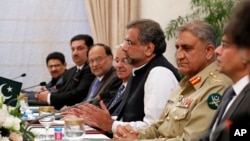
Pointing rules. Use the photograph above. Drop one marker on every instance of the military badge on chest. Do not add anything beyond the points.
(183, 102)
(213, 101)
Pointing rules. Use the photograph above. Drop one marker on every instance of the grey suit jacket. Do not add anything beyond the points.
(109, 85)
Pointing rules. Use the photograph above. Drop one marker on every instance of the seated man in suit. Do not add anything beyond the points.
(57, 67)
(123, 71)
(234, 60)
(77, 79)
(100, 59)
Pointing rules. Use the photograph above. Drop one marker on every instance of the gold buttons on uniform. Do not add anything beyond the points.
(214, 76)
(176, 117)
(168, 118)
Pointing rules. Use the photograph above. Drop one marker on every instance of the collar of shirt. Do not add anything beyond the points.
(200, 76)
(100, 78)
(240, 85)
(80, 67)
(135, 69)
(125, 84)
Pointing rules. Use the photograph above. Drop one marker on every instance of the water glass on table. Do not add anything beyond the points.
(74, 128)
(47, 112)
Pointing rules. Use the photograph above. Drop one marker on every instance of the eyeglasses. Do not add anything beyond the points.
(128, 42)
(97, 59)
(123, 60)
(54, 66)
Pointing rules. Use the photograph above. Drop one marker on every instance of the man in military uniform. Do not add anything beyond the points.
(192, 105)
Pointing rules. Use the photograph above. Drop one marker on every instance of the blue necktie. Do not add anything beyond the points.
(93, 89)
(118, 95)
(228, 96)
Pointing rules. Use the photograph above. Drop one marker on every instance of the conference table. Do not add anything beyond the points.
(91, 134)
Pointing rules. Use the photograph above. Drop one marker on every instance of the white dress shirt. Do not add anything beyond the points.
(158, 87)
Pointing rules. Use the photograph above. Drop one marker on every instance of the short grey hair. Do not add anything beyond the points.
(200, 29)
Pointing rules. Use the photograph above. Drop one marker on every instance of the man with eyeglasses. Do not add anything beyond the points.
(236, 97)
(147, 89)
(57, 67)
(234, 61)
(152, 79)
(77, 79)
(101, 117)
(100, 59)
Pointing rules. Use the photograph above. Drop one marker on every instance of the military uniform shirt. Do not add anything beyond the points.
(190, 108)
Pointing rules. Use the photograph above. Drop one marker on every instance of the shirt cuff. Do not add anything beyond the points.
(48, 98)
(115, 124)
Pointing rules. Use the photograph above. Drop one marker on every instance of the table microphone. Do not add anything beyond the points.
(40, 84)
(22, 75)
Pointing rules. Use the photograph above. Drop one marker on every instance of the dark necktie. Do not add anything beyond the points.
(93, 89)
(76, 75)
(228, 96)
(118, 95)
(74, 80)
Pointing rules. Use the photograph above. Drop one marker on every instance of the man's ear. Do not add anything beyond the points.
(149, 49)
(210, 51)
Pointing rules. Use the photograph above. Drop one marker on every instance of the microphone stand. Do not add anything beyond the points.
(22, 75)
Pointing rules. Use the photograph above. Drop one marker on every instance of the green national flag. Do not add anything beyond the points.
(10, 90)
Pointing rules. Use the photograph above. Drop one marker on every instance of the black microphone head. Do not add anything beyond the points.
(23, 75)
(42, 83)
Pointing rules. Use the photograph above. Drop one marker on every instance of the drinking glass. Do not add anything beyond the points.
(74, 128)
(47, 112)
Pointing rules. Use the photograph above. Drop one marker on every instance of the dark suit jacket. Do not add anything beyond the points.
(58, 83)
(239, 113)
(109, 85)
(75, 89)
(51, 86)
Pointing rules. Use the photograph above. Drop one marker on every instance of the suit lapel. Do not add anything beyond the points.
(233, 107)
(104, 81)
(235, 104)
(69, 76)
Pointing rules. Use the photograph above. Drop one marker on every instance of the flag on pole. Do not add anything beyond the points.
(10, 90)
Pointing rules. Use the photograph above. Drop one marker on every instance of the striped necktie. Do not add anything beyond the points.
(118, 95)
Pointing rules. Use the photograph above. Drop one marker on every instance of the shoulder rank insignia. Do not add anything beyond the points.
(195, 80)
(213, 101)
